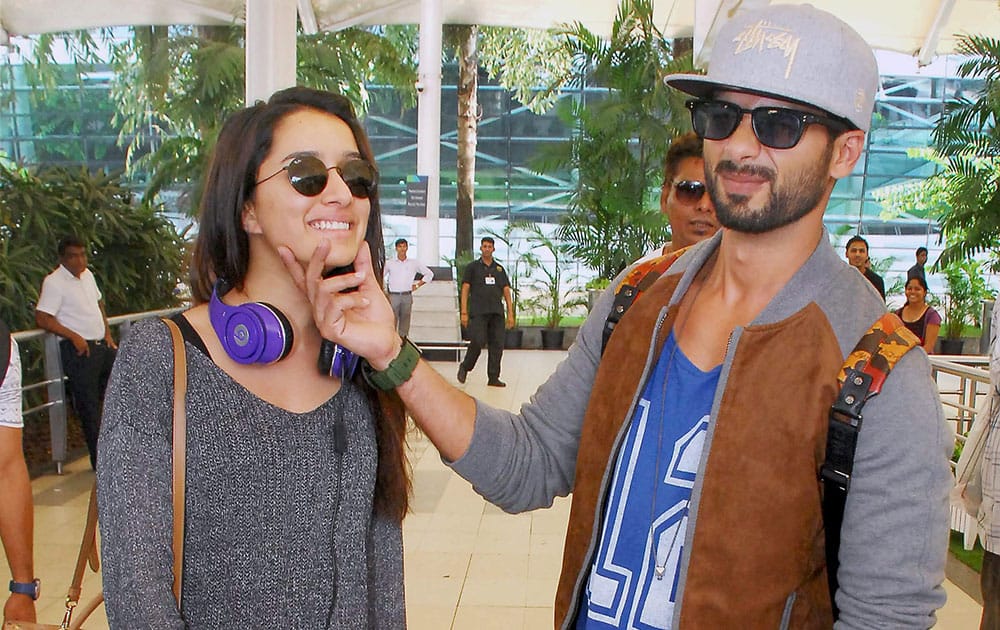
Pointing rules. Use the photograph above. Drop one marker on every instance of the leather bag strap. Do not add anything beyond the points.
(88, 549)
(179, 445)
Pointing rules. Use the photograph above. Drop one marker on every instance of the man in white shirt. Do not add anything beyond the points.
(70, 306)
(400, 282)
(16, 519)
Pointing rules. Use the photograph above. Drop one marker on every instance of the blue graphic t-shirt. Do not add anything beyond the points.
(633, 581)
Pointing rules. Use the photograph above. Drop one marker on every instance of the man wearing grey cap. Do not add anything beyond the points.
(692, 443)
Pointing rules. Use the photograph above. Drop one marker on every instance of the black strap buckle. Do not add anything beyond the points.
(623, 299)
(844, 425)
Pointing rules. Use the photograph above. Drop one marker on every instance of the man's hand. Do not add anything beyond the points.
(81, 345)
(362, 320)
(19, 608)
(510, 321)
(108, 339)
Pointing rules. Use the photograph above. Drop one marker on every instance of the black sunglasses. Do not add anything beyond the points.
(689, 190)
(775, 127)
(308, 175)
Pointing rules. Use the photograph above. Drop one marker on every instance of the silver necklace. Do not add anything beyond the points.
(660, 568)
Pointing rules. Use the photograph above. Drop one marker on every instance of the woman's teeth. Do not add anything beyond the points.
(329, 225)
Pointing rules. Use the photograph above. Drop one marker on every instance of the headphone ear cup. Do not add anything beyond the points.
(254, 332)
(278, 335)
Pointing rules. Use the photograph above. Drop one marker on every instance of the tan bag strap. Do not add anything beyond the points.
(88, 550)
(179, 444)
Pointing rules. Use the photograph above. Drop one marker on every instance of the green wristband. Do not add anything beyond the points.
(399, 371)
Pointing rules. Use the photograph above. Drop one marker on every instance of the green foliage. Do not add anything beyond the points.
(531, 63)
(967, 288)
(135, 253)
(926, 197)
(554, 287)
(968, 138)
(173, 86)
(619, 140)
(597, 284)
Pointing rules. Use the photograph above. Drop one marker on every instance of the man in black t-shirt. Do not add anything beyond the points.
(484, 286)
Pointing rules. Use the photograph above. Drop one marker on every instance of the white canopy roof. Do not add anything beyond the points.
(902, 25)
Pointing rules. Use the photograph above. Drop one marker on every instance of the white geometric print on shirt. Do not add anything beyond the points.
(614, 591)
(609, 581)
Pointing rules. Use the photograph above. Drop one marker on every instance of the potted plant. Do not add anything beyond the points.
(551, 299)
(967, 289)
(519, 264)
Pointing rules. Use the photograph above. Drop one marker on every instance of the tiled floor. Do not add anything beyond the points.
(468, 564)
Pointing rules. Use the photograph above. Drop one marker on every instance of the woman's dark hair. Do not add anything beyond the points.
(222, 249)
(919, 280)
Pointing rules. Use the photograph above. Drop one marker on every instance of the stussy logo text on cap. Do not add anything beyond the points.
(764, 36)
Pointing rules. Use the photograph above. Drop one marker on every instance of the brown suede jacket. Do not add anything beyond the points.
(776, 569)
(754, 544)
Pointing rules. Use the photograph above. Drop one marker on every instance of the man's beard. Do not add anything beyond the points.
(790, 201)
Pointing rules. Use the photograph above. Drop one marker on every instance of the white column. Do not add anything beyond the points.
(429, 127)
(270, 47)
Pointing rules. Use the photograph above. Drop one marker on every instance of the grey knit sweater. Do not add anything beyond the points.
(279, 525)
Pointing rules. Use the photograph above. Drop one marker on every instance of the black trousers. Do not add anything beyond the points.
(88, 378)
(990, 583)
(486, 331)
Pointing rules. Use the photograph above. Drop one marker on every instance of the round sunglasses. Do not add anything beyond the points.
(775, 127)
(689, 191)
(308, 175)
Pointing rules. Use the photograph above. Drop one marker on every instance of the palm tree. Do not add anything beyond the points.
(968, 138)
(619, 139)
(467, 37)
(529, 62)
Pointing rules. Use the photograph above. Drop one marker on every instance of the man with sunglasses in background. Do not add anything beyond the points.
(682, 196)
(692, 443)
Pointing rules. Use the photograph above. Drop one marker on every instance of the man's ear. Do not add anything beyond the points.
(847, 149)
(249, 219)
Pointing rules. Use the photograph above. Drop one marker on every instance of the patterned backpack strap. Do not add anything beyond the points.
(861, 377)
(640, 278)
(878, 351)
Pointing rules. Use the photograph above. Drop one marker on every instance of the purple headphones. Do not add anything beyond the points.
(255, 332)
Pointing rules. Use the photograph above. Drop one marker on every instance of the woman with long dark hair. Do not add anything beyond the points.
(296, 477)
(919, 316)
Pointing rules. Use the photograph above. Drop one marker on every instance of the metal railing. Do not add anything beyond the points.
(961, 381)
(54, 379)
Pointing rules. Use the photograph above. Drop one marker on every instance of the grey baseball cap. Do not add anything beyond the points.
(794, 52)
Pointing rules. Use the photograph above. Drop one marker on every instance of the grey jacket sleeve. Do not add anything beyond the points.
(134, 484)
(894, 536)
(523, 461)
